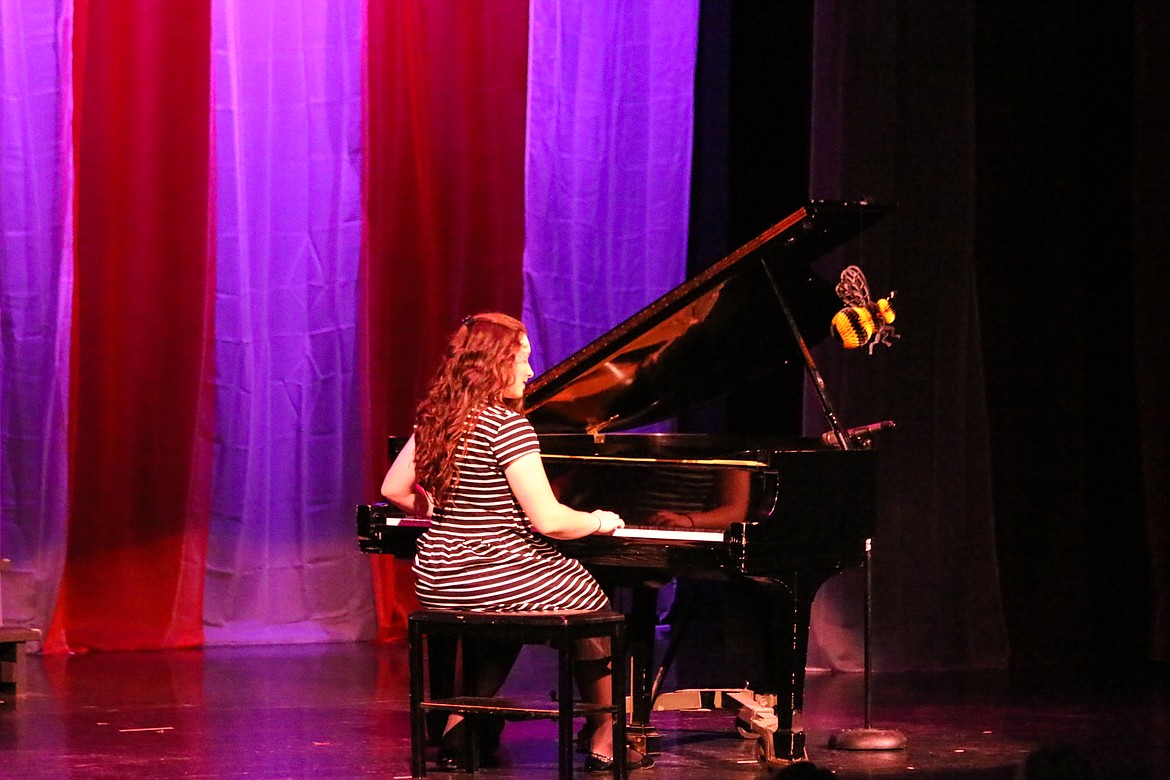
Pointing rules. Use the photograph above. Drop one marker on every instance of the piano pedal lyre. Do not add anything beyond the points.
(756, 719)
(755, 716)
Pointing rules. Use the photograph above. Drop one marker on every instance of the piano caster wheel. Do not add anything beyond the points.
(767, 759)
(647, 742)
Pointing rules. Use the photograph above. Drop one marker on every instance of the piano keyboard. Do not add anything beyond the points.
(652, 534)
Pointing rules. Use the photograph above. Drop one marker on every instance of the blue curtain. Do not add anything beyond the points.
(282, 561)
(36, 290)
(608, 167)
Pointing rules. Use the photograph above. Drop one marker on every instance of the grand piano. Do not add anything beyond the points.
(777, 515)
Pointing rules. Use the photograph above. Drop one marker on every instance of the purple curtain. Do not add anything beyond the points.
(36, 289)
(282, 563)
(608, 169)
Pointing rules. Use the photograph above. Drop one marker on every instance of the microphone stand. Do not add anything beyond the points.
(867, 738)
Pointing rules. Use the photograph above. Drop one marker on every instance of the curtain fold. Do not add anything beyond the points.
(140, 370)
(608, 165)
(282, 563)
(444, 205)
(36, 289)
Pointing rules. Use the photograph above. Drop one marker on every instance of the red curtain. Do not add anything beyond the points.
(444, 202)
(142, 370)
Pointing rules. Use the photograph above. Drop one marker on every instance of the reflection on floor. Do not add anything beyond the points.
(339, 710)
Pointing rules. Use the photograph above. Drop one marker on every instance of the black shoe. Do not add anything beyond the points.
(452, 762)
(455, 749)
(634, 760)
(460, 761)
(455, 746)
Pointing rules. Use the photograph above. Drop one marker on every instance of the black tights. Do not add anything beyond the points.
(486, 667)
(490, 664)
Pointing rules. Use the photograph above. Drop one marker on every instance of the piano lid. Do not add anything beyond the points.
(719, 329)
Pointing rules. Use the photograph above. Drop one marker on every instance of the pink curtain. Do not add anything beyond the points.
(141, 371)
(444, 206)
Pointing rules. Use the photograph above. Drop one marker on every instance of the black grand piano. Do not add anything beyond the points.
(779, 514)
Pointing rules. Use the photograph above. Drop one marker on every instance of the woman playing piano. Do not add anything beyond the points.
(473, 465)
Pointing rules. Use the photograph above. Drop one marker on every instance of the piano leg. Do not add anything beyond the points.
(772, 711)
(793, 611)
(641, 624)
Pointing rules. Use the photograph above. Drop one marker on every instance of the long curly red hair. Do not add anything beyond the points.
(475, 370)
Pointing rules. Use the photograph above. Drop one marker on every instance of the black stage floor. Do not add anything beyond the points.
(339, 710)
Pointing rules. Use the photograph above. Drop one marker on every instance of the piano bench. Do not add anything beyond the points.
(559, 630)
(12, 662)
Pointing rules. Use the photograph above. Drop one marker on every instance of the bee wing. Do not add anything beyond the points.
(853, 288)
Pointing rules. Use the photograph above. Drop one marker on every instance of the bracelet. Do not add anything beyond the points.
(598, 524)
(690, 519)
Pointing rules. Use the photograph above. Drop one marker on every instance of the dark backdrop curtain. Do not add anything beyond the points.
(1151, 282)
(444, 206)
(1059, 291)
(892, 122)
(816, 111)
(1028, 469)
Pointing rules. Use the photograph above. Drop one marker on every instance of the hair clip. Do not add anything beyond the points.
(467, 324)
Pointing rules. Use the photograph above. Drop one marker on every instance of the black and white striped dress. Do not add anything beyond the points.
(480, 552)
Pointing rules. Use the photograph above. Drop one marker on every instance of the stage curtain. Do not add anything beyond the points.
(444, 207)
(895, 124)
(141, 378)
(36, 288)
(1150, 283)
(282, 562)
(608, 165)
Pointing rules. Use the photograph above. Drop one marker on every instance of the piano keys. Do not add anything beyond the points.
(780, 514)
(665, 535)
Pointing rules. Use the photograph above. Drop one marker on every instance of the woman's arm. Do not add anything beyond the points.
(400, 487)
(549, 516)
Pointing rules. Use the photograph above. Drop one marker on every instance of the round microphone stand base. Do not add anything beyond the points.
(868, 739)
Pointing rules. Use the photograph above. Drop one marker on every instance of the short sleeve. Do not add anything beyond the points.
(514, 439)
